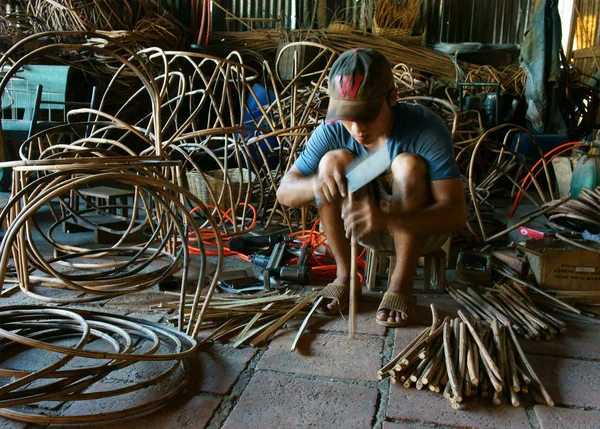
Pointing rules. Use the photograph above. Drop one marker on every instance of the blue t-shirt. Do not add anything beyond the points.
(416, 129)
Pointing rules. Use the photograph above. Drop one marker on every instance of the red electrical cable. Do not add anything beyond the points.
(527, 180)
(322, 268)
(201, 29)
(193, 19)
(209, 233)
(204, 22)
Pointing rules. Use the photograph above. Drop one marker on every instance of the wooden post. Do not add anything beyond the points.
(321, 19)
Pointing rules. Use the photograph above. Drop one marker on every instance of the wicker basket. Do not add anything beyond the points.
(237, 182)
(398, 35)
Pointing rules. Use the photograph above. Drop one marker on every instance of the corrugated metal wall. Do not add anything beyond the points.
(484, 21)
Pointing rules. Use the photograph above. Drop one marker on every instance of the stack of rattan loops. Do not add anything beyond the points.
(128, 340)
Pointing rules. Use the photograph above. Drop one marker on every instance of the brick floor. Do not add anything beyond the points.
(569, 381)
(394, 425)
(563, 418)
(118, 403)
(581, 340)
(333, 356)
(427, 407)
(331, 379)
(186, 411)
(365, 318)
(150, 317)
(215, 367)
(140, 302)
(282, 401)
(140, 371)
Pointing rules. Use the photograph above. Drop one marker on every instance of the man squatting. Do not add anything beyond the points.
(411, 209)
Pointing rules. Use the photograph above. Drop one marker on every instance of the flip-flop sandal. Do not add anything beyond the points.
(393, 301)
(338, 292)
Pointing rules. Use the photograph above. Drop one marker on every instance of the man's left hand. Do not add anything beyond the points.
(361, 218)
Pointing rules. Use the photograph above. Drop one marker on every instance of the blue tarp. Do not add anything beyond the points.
(540, 59)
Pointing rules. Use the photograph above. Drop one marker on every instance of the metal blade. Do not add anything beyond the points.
(365, 169)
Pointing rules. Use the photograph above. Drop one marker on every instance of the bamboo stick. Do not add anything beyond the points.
(433, 365)
(262, 337)
(453, 382)
(462, 360)
(489, 308)
(434, 384)
(484, 353)
(384, 371)
(305, 322)
(519, 350)
(541, 292)
(513, 376)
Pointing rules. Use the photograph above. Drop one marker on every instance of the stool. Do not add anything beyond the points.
(108, 196)
(434, 269)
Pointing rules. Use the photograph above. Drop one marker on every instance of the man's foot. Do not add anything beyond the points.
(395, 309)
(336, 296)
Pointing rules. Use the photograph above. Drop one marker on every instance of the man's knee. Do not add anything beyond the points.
(409, 167)
(410, 185)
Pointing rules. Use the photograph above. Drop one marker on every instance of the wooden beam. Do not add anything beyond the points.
(587, 52)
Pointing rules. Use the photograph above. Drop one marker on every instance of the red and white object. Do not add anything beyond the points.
(531, 233)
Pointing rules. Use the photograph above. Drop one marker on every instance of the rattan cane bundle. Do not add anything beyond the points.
(395, 19)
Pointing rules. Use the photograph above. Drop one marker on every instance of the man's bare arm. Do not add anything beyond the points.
(296, 190)
(328, 184)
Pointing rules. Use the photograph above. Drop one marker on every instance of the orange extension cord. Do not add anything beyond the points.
(209, 233)
(322, 268)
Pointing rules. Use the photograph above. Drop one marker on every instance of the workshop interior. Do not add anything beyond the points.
(150, 277)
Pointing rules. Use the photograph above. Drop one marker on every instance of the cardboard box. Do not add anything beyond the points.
(562, 266)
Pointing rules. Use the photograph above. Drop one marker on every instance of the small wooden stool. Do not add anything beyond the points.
(434, 269)
(108, 196)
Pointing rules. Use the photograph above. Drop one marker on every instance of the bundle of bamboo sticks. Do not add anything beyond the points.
(464, 357)
(417, 57)
(587, 302)
(579, 214)
(510, 306)
(253, 317)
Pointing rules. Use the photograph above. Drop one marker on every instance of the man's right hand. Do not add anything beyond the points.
(329, 183)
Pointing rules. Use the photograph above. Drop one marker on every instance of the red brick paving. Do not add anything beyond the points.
(283, 401)
(215, 367)
(569, 381)
(332, 356)
(562, 418)
(331, 379)
(429, 407)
